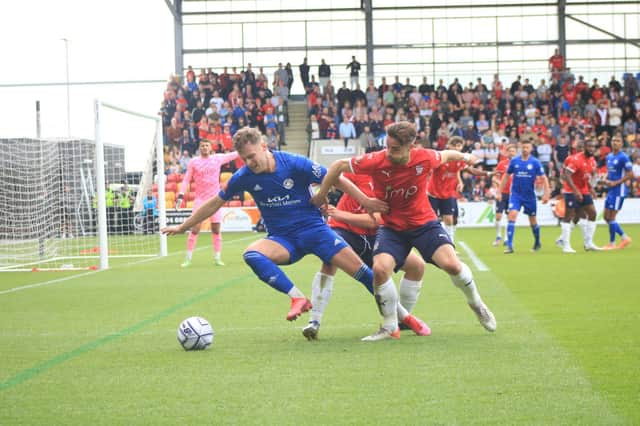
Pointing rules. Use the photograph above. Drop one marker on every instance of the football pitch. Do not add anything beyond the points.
(101, 348)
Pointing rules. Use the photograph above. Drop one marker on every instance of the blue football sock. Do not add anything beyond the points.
(536, 233)
(268, 271)
(612, 231)
(511, 229)
(365, 276)
(618, 229)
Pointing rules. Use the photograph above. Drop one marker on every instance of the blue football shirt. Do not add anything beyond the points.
(283, 196)
(617, 166)
(524, 176)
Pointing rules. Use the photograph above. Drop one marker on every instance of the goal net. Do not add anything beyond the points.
(70, 204)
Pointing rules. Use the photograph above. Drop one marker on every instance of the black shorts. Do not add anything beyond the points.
(571, 202)
(361, 244)
(502, 206)
(426, 239)
(444, 206)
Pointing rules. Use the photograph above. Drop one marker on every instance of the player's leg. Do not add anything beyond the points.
(410, 286)
(531, 209)
(263, 257)
(437, 249)
(590, 226)
(321, 291)
(216, 239)
(191, 244)
(513, 210)
(498, 224)
(613, 204)
(566, 225)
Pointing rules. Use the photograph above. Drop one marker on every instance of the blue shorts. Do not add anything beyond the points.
(502, 206)
(361, 244)
(426, 239)
(530, 205)
(444, 206)
(319, 240)
(613, 202)
(570, 201)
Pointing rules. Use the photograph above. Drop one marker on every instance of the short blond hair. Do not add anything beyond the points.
(246, 136)
(403, 131)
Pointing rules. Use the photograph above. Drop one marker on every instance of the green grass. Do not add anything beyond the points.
(101, 348)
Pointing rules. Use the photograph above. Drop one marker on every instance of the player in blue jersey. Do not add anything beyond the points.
(280, 185)
(524, 170)
(619, 171)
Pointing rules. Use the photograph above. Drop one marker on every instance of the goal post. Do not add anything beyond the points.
(54, 195)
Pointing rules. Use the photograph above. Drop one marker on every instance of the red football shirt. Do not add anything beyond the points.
(403, 186)
(582, 167)
(348, 204)
(444, 180)
(500, 170)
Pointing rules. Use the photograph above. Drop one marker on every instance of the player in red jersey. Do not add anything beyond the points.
(399, 176)
(351, 222)
(502, 206)
(445, 184)
(578, 171)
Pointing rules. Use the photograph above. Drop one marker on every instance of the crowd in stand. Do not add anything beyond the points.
(557, 113)
(214, 106)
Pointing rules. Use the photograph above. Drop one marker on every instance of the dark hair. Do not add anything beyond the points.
(404, 132)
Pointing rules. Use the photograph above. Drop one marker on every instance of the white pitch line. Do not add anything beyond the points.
(71, 277)
(479, 264)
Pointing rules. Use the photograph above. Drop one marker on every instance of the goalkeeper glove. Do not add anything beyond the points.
(179, 200)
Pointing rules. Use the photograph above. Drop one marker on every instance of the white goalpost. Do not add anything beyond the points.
(69, 204)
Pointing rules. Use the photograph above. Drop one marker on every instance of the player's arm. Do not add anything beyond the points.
(628, 176)
(228, 157)
(331, 178)
(211, 206)
(477, 171)
(185, 184)
(361, 220)
(546, 189)
(450, 155)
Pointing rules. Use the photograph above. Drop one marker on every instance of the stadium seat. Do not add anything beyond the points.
(189, 204)
(190, 196)
(225, 176)
(169, 196)
(173, 177)
(154, 188)
(249, 203)
(235, 203)
(171, 187)
(223, 186)
(248, 196)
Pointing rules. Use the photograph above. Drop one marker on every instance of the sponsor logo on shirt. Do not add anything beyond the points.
(405, 193)
(288, 183)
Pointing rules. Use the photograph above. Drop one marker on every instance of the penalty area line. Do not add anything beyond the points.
(479, 264)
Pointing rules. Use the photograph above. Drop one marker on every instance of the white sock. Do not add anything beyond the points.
(321, 290)
(464, 281)
(295, 292)
(409, 292)
(498, 224)
(189, 255)
(582, 223)
(387, 300)
(451, 230)
(402, 312)
(566, 234)
(591, 230)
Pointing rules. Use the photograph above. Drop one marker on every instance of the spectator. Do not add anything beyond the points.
(150, 209)
(479, 152)
(491, 154)
(324, 74)
(367, 140)
(347, 131)
(304, 74)
(184, 160)
(354, 66)
(272, 140)
(313, 129)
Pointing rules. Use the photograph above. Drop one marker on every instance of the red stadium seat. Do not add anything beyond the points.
(235, 203)
(190, 196)
(171, 187)
(249, 203)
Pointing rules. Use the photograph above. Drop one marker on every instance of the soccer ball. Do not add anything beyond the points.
(195, 333)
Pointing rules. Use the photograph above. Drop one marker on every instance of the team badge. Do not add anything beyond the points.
(419, 170)
(316, 169)
(288, 183)
(529, 167)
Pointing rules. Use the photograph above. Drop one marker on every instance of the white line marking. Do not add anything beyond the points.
(479, 264)
(71, 277)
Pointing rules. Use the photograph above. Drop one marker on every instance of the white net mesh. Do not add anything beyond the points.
(48, 216)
